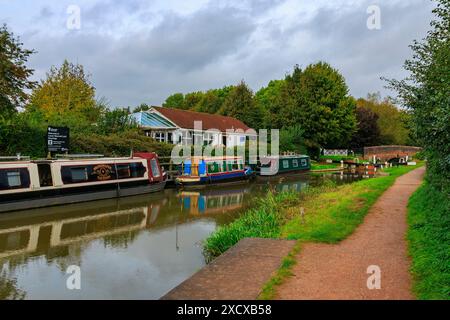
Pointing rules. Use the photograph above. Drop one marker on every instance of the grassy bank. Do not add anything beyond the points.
(330, 214)
(429, 242)
(321, 166)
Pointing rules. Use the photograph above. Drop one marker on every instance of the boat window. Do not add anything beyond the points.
(78, 174)
(213, 167)
(230, 166)
(235, 166)
(123, 171)
(13, 178)
(294, 162)
(45, 175)
(285, 164)
(304, 162)
(155, 168)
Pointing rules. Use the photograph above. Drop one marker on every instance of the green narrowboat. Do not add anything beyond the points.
(273, 165)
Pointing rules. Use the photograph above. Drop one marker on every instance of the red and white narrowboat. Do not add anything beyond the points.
(40, 183)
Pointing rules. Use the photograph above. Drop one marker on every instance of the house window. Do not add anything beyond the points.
(285, 164)
(208, 138)
(160, 136)
(13, 178)
(295, 163)
(169, 137)
(78, 174)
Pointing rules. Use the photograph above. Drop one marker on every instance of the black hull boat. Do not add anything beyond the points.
(43, 183)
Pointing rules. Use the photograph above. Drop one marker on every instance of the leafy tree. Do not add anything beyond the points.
(175, 100)
(267, 97)
(67, 91)
(291, 139)
(368, 133)
(426, 93)
(392, 121)
(14, 73)
(141, 107)
(240, 104)
(316, 99)
(114, 121)
(192, 99)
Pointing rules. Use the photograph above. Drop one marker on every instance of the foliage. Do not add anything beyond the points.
(114, 121)
(175, 100)
(141, 107)
(317, 99)
(66, 91)
(266, 97)
(426, 93)
(240, 104)
(263, 221)
(429, 242)
(392, 122)
(368, 133)
(14, 73)
(291, 139)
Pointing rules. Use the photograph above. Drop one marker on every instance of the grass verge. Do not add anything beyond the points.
(331, 213)
(429, 242)
(317, 166)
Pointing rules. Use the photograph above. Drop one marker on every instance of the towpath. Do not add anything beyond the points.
(375, 255)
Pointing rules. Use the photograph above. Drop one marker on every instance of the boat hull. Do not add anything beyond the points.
(37, 199)
(196, 182)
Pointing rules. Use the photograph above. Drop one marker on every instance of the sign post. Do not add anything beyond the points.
(57, 139)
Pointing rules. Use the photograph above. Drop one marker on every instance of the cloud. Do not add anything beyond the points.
(142, 53)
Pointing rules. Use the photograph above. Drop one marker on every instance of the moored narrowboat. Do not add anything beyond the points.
(40, 183)
(273, 165)
(198, 171)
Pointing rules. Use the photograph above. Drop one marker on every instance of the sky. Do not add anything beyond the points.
(141, 51)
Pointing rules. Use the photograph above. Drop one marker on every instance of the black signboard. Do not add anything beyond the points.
(57, 139)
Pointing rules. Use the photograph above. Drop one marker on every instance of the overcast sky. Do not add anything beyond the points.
(142, 50)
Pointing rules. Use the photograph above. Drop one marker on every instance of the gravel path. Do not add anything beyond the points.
(340, 271)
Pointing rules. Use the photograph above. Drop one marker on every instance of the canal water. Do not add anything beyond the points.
(130, 248)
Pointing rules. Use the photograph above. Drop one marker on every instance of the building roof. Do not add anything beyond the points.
(185, 119)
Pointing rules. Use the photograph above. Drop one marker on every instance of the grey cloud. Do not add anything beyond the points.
(217, 46)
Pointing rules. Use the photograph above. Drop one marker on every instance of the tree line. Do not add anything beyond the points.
(312, 107)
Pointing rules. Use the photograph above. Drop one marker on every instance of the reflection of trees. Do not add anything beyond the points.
(120, 241)
(8, 288)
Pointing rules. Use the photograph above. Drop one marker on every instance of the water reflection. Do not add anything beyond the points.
(131, 248)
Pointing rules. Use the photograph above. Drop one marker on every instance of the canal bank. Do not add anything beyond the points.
(325, 214)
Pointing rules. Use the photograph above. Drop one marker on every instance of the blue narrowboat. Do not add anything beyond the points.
(197, 171)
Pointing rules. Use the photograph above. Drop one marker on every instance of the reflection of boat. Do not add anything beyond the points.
(41, 183)
(55, 233)
(201, 171)
(273, 165)
(212, 201)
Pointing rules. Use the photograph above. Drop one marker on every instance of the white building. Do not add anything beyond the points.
(178, 126)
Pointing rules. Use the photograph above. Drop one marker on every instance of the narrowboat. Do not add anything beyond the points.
(198, 171)
(41, 183)
(273, 165)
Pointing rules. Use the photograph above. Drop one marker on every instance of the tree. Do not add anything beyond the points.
(267, 97)
(426, 93)
(14, 73)
(291, 139)
(368, 133)
(240, 104)
(175, 100)
(316, 99)
(115, 121)
(141, 107)
(392, 121)
(66, 92)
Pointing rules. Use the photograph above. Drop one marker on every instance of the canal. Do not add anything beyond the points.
(130, 248)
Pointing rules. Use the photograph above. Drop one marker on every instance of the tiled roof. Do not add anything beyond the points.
(185, 119)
